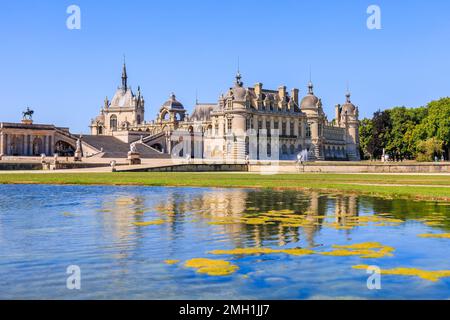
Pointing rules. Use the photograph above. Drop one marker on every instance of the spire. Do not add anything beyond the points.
(310, 84)
(238, 82)
(124, 75)
(139, 93)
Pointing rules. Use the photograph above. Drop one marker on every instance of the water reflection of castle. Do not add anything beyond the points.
(179, 208)
(216, 205)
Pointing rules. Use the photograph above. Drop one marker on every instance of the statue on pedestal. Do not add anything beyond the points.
(27, 116)
(134, 156)
(78, 152)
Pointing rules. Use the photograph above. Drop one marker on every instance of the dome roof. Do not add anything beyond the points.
(173, 103)
(310, 100)
(239, 93)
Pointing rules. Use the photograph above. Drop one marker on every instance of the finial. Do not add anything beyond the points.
(196, 96)
(310, 88)
(348, 94)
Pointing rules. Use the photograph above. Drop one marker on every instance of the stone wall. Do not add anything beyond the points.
(357, 168)
(194, 168)
(11, 166)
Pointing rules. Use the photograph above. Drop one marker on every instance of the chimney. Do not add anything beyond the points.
(282, 92)
(258, 88)
(294, 95)
(338, 114)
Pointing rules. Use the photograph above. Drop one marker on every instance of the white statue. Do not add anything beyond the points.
(78, 145)
(133, 148)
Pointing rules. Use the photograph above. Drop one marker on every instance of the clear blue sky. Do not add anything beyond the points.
(184, 46)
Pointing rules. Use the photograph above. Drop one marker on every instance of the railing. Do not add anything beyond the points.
(333, 133)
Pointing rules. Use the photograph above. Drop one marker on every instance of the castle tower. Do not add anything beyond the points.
(349, 115)
(125, 110)
(312, 106)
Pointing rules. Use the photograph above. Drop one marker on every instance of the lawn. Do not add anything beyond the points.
(411, 186)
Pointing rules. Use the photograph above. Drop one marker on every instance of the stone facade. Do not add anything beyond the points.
(220, 130)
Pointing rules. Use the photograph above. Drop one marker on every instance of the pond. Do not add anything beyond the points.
(198, 243)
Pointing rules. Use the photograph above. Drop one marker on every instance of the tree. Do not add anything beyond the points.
(436, 124)
(400, 142)
(428, 149)
(380, 132)
(408, 133)
(365, 138)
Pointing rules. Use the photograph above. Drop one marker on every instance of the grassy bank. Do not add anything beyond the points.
(420, 187)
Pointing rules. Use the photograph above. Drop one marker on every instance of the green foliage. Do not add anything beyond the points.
(404, 132)
(366, 134)
(428, 149)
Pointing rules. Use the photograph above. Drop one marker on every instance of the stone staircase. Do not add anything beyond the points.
(117, 149)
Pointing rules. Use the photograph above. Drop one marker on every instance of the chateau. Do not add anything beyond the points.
(246, 123)
(219, 130)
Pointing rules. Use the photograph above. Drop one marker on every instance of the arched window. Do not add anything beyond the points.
(113, 122)
(138, 119)
(292, 149)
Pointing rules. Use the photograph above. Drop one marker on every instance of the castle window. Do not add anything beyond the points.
(113, 123)
(138, 119)
(216, 129)
(283, 129)
(284, 150)
(230, 125)
(308, 130)
(292, 128)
